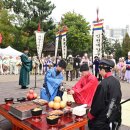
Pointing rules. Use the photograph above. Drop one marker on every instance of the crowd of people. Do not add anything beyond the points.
(12, 65)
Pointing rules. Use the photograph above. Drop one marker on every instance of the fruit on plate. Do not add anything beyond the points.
(31, 91)
(31, 95)
(56, 105)
(62, 104)
(51, 104)
(57, 99)
(35, 95)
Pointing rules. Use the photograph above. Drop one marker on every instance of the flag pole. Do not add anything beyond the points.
(35, 85)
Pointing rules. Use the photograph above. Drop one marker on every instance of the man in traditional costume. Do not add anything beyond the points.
(127, 73)
(26, 67)
(49, 62)
(121, 68)
(1, 62)
(5, 65)
(45, 66)
(105, 113)
(85, 88)
(18, 64)
(11, 64)
(52, 82)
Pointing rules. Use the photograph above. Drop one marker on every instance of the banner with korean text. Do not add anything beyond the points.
(39, 41)
(64, 46)
(97, 39)
(56, 45)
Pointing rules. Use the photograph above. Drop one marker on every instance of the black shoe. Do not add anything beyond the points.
(24, 87)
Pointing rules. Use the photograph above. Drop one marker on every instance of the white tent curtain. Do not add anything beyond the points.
(9, 51)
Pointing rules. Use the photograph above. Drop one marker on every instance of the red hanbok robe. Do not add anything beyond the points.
(84, 89)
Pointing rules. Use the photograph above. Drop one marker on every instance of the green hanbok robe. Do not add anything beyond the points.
(26, 67)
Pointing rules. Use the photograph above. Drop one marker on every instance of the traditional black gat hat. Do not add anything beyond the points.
(26, 48)
(84, 67)
(62, 64)
(106, 64)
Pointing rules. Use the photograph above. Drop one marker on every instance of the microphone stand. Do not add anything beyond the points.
(36, 65)
(35, 75)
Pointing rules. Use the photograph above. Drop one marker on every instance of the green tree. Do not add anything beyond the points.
(126, 45)
(118, 50)
(107, 46)
(78, 36)
(27, 16)
(6, 28)
(1, 5)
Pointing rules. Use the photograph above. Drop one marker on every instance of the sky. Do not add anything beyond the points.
(116, 13)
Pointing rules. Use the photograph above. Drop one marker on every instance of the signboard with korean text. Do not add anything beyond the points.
(97, 39)
(64, 46)
(97, 43)
(56, 45)
(39, 41)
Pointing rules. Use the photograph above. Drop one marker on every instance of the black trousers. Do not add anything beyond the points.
(98, 125)
(98, 75)
(76, 73)
(71, 75)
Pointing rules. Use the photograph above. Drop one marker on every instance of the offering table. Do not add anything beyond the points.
(65, 122)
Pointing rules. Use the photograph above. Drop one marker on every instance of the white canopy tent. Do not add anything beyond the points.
(9, 51)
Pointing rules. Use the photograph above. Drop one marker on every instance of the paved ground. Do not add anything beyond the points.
(9, 88)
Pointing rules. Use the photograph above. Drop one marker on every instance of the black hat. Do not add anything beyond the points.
(96, 57)
(84, 67)
(62, 64)
(106, 63)
(26, 48)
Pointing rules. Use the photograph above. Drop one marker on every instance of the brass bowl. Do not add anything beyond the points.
(36, 111)
(21, 99)
(9, 101)
(52, 119)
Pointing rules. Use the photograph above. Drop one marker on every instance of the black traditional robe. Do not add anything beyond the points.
(108, 89)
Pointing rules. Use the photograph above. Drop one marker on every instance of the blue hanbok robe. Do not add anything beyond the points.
(52, 82)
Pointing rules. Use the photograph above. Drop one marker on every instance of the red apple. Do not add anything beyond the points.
(31, 91)
(30, 96)
(27, 95)
(34, 95)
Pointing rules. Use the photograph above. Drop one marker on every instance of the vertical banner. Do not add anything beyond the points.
(64, 46)
(97, 38)
(56, 45)
(39, 41)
